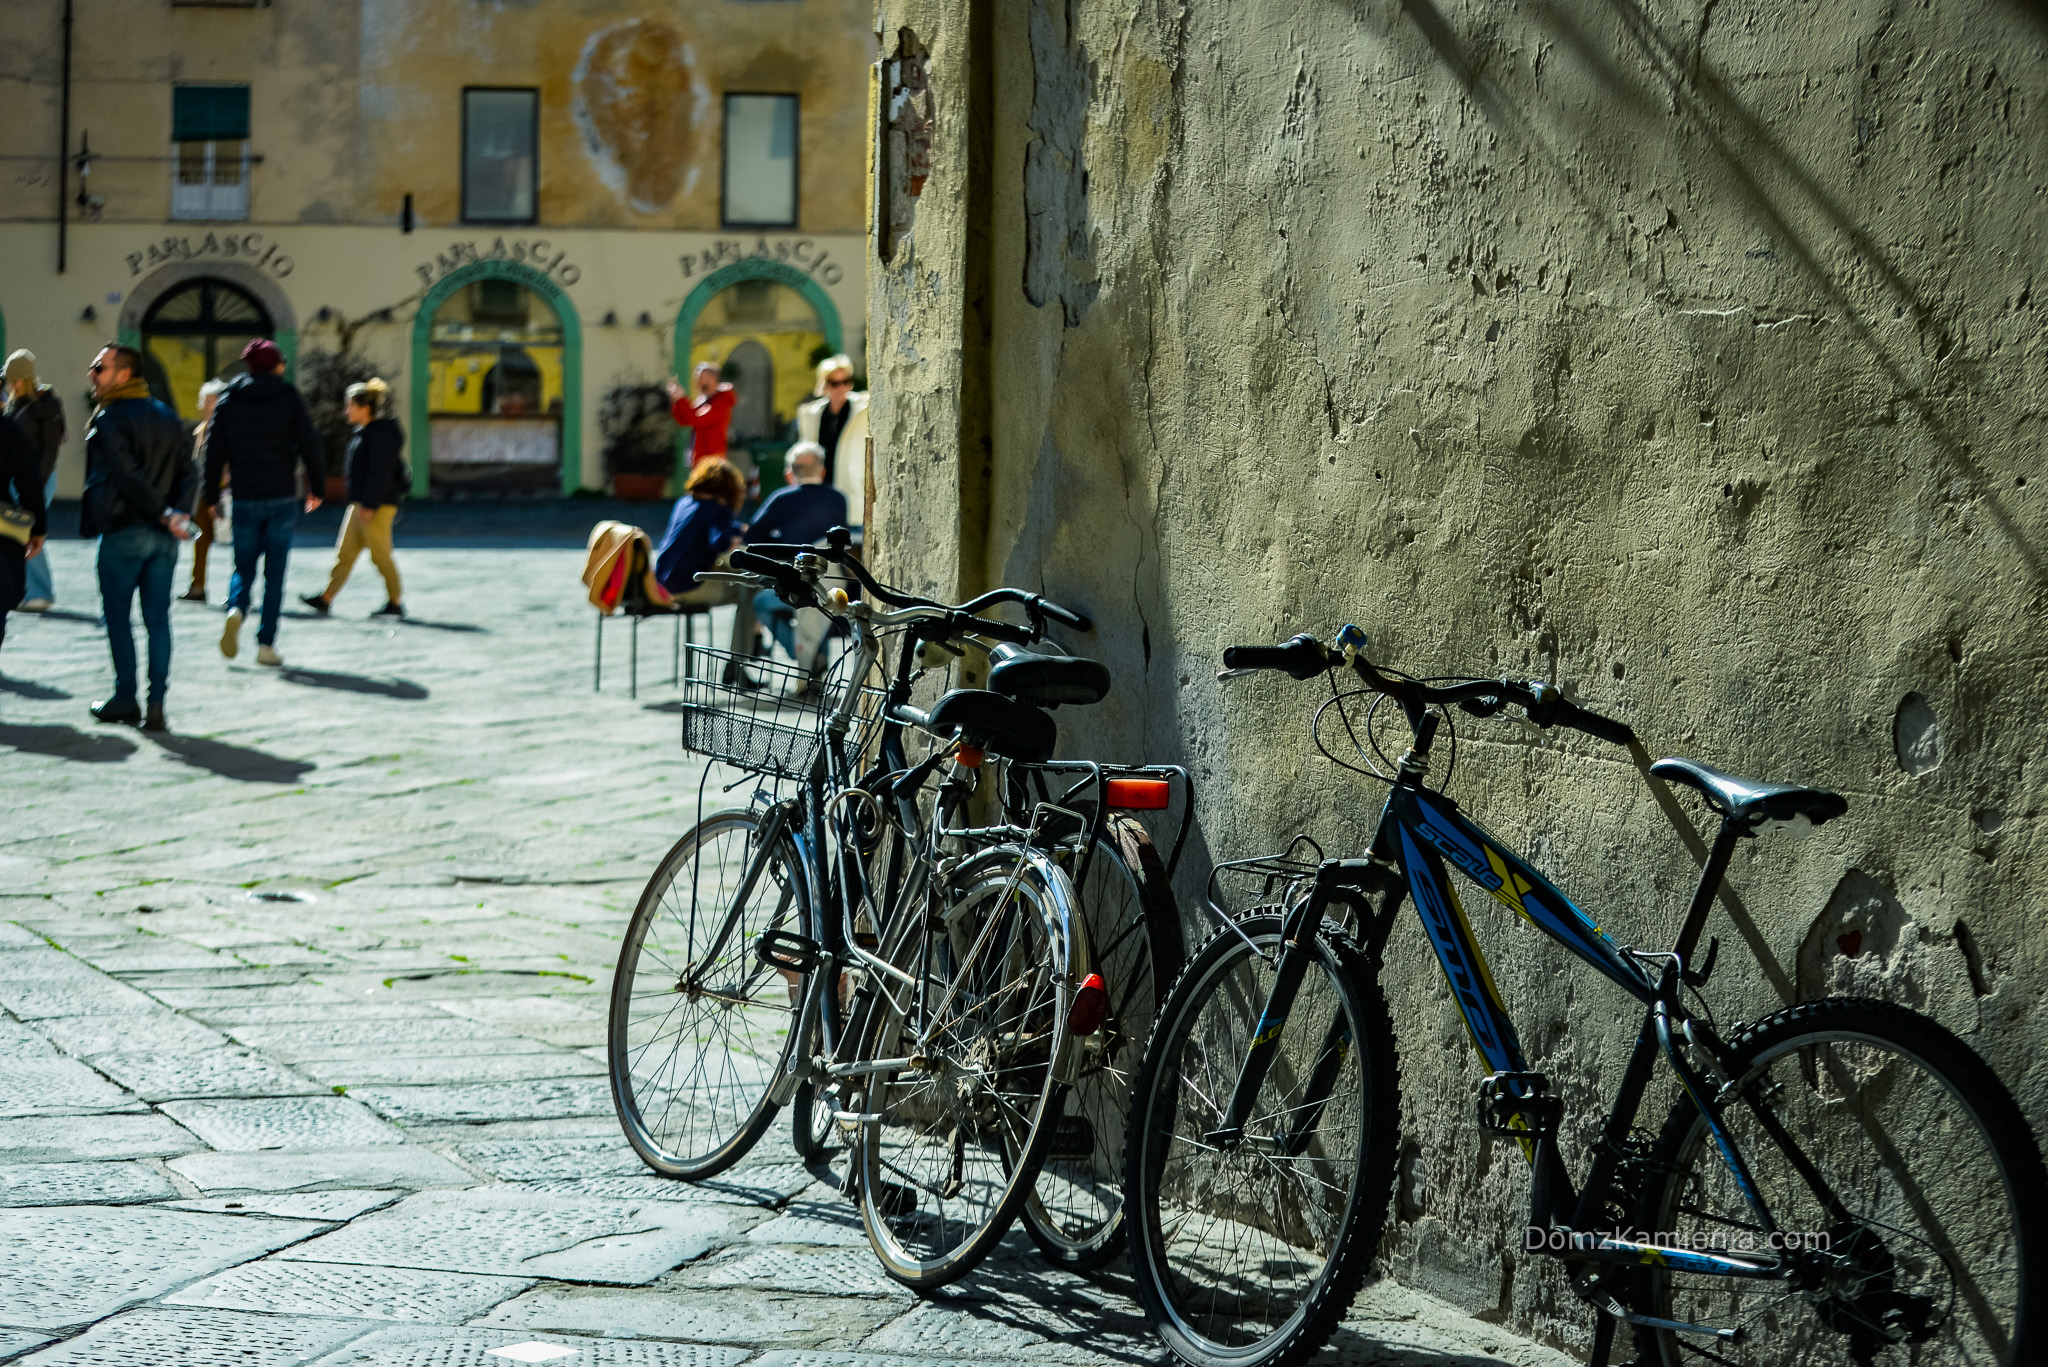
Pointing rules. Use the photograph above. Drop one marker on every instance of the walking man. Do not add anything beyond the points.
(261, 434)
(707, 413)
(138, 481)
(40, 413)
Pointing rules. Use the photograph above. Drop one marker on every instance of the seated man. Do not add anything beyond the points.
(799, 514)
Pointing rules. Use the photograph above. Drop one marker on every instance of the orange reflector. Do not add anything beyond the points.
(1091, 1007)
(1139, 794)
(969, 757)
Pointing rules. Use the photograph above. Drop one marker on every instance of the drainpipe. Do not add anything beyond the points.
(64, 146)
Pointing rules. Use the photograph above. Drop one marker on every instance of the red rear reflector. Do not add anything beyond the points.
(1091, 1007)
(969, 757)
(1139, 794)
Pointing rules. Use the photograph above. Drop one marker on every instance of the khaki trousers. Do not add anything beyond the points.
(359, 534)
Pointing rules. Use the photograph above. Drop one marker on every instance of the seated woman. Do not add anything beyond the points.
(702, 532)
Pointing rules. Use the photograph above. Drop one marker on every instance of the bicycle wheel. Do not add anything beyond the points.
(952, 1138)
(1075, 1213)
(700, 1028)
(1932, 1253)
(1250, 1255)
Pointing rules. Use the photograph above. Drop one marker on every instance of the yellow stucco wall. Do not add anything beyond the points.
(355, 104)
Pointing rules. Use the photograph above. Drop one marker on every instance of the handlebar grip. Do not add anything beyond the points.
(1067, 615)
(753, 562)
(1001, 631)
(777, 550)
(1303, 657)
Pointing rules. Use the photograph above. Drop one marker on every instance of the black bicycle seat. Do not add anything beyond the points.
(1748, 801)
(1002, 726)
(1048, 680)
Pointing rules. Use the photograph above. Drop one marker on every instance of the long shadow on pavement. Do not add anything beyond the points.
(404, 689)
(66, 615)
(28, 688)
(66, 743)
(235, 761)
(441, 626)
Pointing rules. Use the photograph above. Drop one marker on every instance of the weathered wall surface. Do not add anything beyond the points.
(1686, 354)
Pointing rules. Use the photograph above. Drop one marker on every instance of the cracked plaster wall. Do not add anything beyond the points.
(1688, 355)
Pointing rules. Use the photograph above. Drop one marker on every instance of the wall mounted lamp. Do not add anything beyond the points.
(611, 319)
(646, 320)
(88, 316)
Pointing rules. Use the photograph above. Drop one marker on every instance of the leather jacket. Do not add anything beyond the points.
(138, 462)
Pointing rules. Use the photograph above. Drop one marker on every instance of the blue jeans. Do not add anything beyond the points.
(144, 559)
(779, 617)
(39, 584)
(263, 526)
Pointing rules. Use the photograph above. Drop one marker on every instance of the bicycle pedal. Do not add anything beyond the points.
(787, 950)
(1506, 1098)
(1073, 1137)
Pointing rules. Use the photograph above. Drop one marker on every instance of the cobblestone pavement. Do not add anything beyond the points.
(301, 1052)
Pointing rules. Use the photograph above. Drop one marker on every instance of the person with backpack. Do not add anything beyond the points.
(377, 482)
(261, 434)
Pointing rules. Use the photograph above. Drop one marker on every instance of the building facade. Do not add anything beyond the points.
(513, 213)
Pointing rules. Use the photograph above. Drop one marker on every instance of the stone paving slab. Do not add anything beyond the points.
(539, 1099)
(827, 1224)
(1020, 1329)
(283, 1123)
(41, 999)
(300, 1013)
(528, 1160)
(507, 1231)
(281, 1171)
(47, 1139)
(284, 989)
(57, 1086)
(757, 1318)
(542, 1063)
(197, 1338)
(13, 1341)
(157, 1075)
(160, 1030)
(350, 1291)
(415, 1346)
(70, 1265)
(15, 937)
(817, 1358)
(335, 1206)
(64, 1184)
(813, 1271)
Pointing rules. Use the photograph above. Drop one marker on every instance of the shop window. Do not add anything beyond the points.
(210, 151)
(760, 161)
(500, 155)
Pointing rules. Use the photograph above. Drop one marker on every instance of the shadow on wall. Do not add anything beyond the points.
(1745, 153)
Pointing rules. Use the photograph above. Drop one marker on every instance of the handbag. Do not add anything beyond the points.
(16, 522)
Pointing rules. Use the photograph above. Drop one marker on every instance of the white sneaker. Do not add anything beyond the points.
(34, 605)
(267, 655)
(231, 634)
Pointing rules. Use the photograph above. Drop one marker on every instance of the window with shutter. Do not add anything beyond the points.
(210, 151)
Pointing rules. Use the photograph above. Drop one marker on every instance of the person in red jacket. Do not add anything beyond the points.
(708, 412)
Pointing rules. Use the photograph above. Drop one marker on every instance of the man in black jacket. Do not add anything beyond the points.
(138, 483)
(261, 434)
(40, 413)
(21, 485)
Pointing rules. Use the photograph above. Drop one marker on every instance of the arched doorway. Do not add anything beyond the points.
(195, 333)
(764, 324)
(497, 383)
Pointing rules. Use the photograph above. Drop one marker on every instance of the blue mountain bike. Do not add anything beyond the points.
(1841, 1182)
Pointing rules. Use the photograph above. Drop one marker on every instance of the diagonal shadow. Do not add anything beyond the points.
(404, 689)
(441, 626)
(66, 615)
(27, 688)
(234, 761)
(63, 742)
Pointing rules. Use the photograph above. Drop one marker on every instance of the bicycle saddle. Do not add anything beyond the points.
(1002, 726)
(1748, 801)
(1048, 680)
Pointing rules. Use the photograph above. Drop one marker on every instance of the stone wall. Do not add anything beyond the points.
(1687, 355)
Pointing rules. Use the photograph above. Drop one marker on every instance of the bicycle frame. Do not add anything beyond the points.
(1419, 832)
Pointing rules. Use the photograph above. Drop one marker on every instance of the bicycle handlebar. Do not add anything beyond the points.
(1303, 657)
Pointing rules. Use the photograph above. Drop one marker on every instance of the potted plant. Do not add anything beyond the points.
(639, 440)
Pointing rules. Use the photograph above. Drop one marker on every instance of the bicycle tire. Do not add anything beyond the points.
(692, 1073)
(1204, 1027)
(985, 1068)
(1075, 1212)
(1824, 1068)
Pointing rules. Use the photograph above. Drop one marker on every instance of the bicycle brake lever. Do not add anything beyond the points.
(1223, 675)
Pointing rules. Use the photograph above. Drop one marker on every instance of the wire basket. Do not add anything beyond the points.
(776, 727)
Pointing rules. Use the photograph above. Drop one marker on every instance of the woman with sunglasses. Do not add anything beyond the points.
(837, 419)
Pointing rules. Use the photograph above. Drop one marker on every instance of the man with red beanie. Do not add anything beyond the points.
(261, 434)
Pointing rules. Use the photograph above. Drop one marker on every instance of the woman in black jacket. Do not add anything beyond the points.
(21, 484)
(377, 480)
